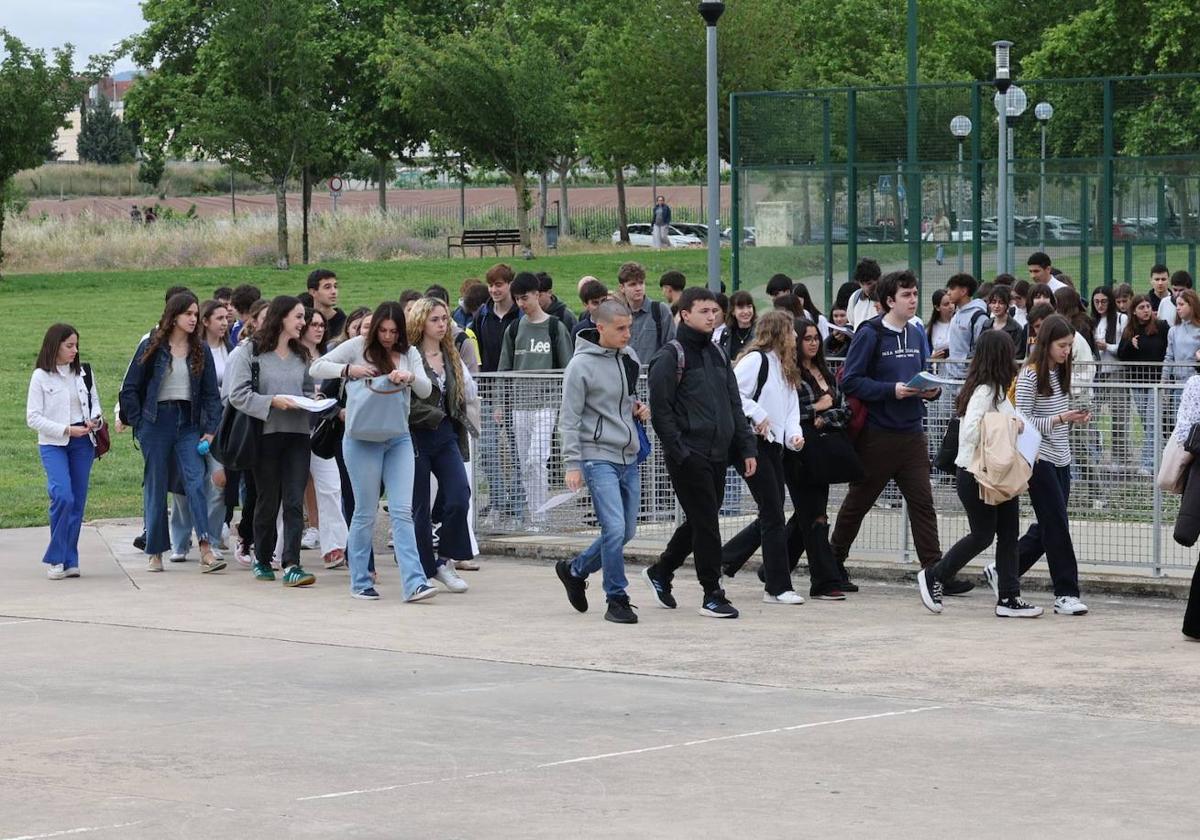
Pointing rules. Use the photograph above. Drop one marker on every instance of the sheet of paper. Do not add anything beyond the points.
(924, 380)
(558, 500)
(315, 406)
(1028, 443)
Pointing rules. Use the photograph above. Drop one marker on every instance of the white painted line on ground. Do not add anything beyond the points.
(70, 831)
(22, 621)
(756, 733)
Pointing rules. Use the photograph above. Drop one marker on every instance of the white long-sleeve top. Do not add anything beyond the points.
(778, 400)
(333, 364)
(983, 399)
(49, 404)
(1189, 409)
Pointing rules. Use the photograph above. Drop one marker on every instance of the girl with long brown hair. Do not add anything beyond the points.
(767, 378)
(170, 398)
(441, 430)
(1144, 340)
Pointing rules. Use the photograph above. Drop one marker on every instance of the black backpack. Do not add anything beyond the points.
(510, 340)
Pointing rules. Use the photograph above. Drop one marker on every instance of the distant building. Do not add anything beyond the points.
(114, 88)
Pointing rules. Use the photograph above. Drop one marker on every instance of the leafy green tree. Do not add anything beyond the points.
(36, 93)
(103, 138)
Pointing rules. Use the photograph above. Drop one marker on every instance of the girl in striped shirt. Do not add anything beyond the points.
(1043, 397)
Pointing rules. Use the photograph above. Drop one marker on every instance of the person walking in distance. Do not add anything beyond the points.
(989, 376)
(63, 407)
(1043, 398)
(886, 353)
(660, 228)
(696, 410)
(601, 443)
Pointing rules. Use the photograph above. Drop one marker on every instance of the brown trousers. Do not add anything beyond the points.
(903, 456)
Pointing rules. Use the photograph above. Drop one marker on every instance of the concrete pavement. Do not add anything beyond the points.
(180, 705)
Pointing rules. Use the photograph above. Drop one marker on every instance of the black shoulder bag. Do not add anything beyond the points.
(237, 441)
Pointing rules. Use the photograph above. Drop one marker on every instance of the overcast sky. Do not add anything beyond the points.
(93, 26)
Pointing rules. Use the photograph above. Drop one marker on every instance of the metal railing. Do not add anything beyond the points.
(1119, 517)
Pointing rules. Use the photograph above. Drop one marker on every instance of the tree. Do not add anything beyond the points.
(103, 138)
(242, 81)
(496, 94)
(36, 93)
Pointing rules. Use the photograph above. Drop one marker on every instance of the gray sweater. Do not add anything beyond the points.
(596, 418)
(288, 377)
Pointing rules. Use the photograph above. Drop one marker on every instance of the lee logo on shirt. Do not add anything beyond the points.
(536, 346)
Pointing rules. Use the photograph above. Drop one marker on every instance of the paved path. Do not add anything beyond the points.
(187, 706)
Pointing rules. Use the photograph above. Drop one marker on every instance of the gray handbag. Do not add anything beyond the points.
(376, 410)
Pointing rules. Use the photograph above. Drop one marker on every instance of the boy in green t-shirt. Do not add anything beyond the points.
(535, 342)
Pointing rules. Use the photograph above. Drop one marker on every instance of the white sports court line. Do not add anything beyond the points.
(71, 831)
(659, 748)
(21, 621)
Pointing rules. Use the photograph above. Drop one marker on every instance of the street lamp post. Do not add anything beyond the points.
(1044, 111)
(1003, 83)
(960, 127)
(711, 11)
(1013, 104)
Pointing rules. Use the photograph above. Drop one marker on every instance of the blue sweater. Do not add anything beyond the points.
(878, 358)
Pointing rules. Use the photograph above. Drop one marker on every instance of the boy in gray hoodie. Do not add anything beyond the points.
(600, 447)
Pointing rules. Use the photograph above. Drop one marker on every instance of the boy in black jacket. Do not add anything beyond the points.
(696, 410)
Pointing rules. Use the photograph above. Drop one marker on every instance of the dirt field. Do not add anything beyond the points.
(362, 201)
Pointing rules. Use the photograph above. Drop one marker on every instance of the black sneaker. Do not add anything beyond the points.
(620, 611)
(716, 605)
(1016, 608)
(930, 589)
(575, 586)
(957, 586)
(139, 542)
(661, 590)
(368, 594)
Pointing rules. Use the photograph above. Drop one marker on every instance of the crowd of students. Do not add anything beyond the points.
(729, 389)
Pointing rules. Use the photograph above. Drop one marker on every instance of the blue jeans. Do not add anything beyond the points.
(68, 469)
(181, 511)
(616, 495)
(506, 494)
(1143, 401)
(438, 454)
(171, 435)
(393, 463)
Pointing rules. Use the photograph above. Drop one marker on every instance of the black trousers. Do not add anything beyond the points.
(700, 487)
(245, 526)
(1191, 618)
(280, 476)
(1001, 522)
(1050, 492)
(768, 529)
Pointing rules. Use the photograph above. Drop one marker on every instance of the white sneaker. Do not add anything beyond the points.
(1069, 605)
(993, 579)
(311, 538)
(72, 572)
(154, 563)
(224, 543)
(448, 577)
(56, 572)
(242, 554)
(788, 597)
(177, 557)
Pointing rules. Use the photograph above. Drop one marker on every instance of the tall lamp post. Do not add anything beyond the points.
(1044, 111)
(960, 127)
(711, 11)
(1013, 105)
(1003, 83)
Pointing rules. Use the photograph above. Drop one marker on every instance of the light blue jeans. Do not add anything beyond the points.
(616, 494)
(181, 512)
(393, 463)
(1143, 401)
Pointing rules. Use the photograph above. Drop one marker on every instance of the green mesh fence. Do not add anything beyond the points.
(824, 177)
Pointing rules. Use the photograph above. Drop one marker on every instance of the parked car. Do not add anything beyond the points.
(640, 236)
(749, 235)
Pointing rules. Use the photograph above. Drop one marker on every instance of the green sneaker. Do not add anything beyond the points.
(263, 571)
(296, 576)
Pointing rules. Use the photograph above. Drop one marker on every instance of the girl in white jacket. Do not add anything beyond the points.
(991, 373)
(65, 413)
(767, 379)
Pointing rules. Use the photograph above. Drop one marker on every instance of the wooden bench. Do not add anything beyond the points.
(485, 239)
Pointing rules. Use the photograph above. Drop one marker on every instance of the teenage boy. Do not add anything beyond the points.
(886, 352)
(779, 284)
(1041, 271)
(653, 325)
(534, 342)
(323, 286)
(552, 305)
(592, 294)
(600, 448)
(489, 324)
(861, 306)
(697, 413)
(462, 315)
(1160, 297)
(243, 297)
(222, 295)
(672, 284)
(969, 321)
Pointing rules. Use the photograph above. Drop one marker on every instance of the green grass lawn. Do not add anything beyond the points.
(112, 310)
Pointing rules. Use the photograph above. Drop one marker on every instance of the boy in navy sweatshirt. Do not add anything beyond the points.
(886, 352)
